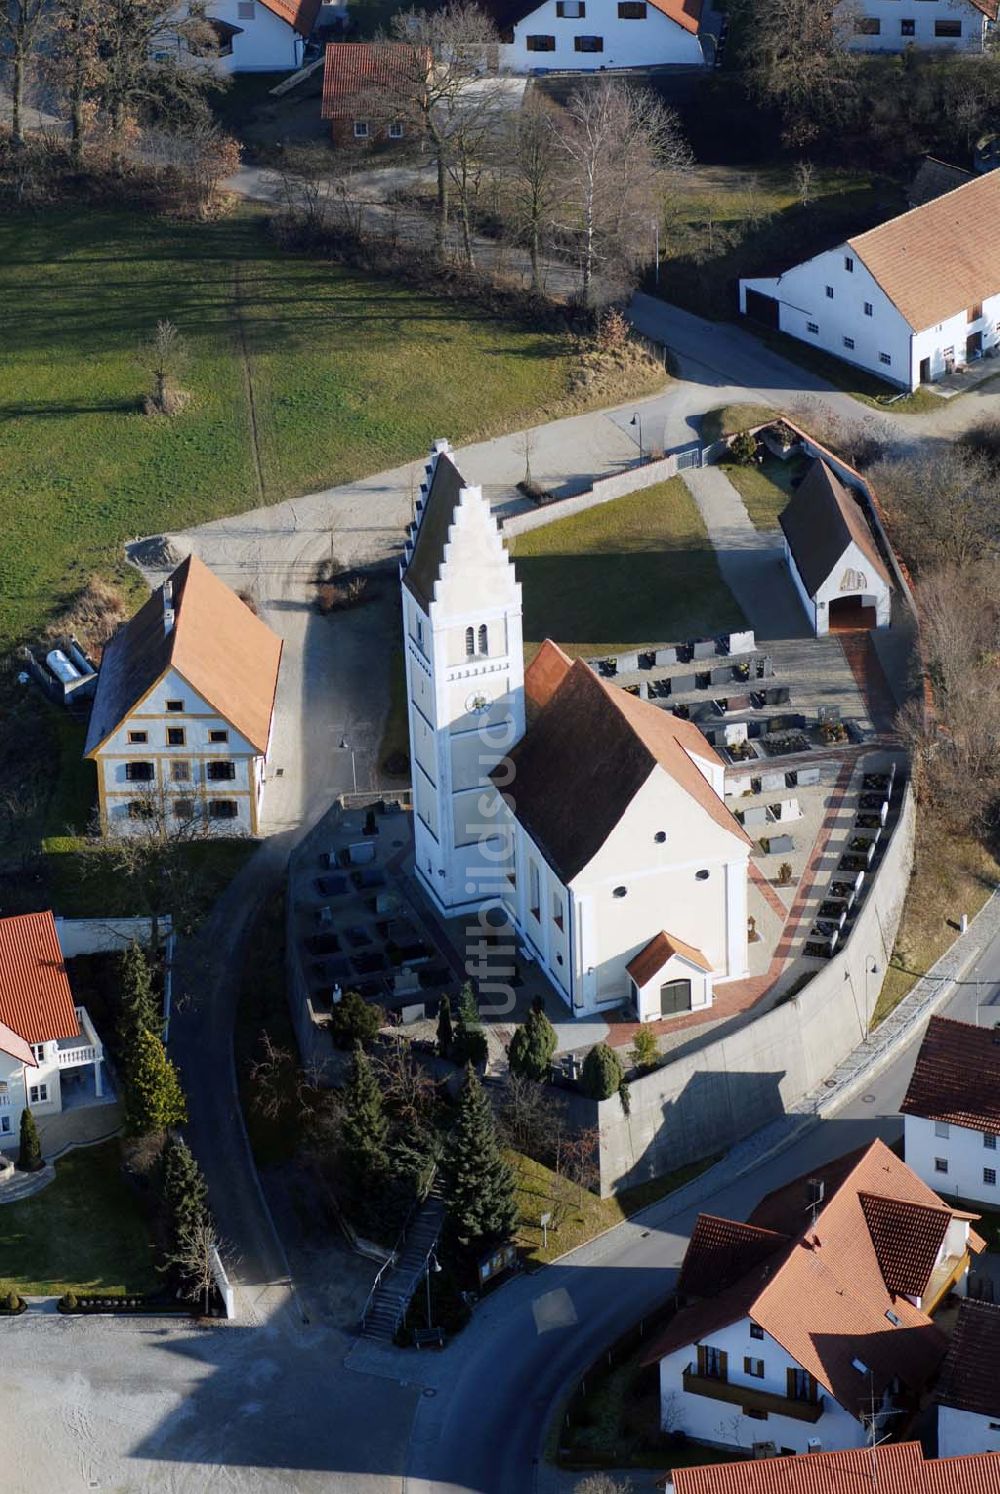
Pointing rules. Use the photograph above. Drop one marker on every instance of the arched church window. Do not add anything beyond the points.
(470, 642)
(484, 639)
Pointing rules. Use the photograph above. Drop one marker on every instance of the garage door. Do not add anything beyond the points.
(763, 309)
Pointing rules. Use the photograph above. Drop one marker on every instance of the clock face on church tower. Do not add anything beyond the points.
(478, 702)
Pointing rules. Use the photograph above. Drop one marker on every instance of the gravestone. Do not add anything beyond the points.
(665, 656)
(704, 648)
(771, 781)
(807, 777)
(721, 676)
(682, 683)
(781, 845)
(742, 643)
(756, 814)
(628, 663)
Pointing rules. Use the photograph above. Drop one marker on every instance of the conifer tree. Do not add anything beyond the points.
(365, 1128)
(154, 1099)
(469, 1043)
(30, 1155)
(602, 1073)
(532, 1046)
(445, 1032)
(480, 1184)
(137, 1000)
(185, 1191)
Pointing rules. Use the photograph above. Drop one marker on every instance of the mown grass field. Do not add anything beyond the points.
(765, 489)
(336, 374)
(637, 570)
(84, 1232)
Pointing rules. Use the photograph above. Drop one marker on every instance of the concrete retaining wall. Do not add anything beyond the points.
(631, 480)
(82, 936)
(707, 1100)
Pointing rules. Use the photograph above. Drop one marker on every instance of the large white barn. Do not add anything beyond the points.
(590, 35)
(910, 301)
(598, 823)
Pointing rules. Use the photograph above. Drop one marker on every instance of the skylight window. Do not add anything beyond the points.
(896, 1322)
(860, 1366)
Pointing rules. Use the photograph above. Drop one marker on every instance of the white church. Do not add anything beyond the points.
(596, 820)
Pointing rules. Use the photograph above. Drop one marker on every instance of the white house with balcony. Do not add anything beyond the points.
(814, 1319)
(46, 1042)
(587, 823)
(951, 1111)
(181, 726)
(912, 300)
(588, 35)
(896, 25)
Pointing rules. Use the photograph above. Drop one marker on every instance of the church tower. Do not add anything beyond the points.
(464, 683)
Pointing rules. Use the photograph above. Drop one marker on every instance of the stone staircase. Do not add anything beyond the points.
(399, 1278)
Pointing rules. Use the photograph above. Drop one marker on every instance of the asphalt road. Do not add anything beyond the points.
(483, 1432)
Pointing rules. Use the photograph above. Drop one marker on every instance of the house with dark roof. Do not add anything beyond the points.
(588, 818)
(180, 728)
(833, 556)
(967, 1394)
(257, 36)
(813, 1321)
(889, 1468)
(911, 300)
(951, 1111)
(587, 35)
(50, 1053)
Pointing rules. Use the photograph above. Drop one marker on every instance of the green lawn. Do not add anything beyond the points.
(729, 420)
(347, 375)
(84, 1232)
(765, 489)
(637, 570)
(540, 1191)
(82, 885)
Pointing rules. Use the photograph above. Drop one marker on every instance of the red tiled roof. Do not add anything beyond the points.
(970, 1379)
(826, 1300)
(351, 69)
(907, 1238)
(545, 674)
(216, 644)
(661, 948)
(721, 1251)
(584, 758)
(956, 1077)
(300, 14)
(891, 1468)
(35, 998)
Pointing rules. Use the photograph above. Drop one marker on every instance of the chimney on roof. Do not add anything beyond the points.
(168, 607)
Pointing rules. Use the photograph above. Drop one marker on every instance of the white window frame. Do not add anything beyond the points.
(396, 130)
(361, 129)
(38, 1094)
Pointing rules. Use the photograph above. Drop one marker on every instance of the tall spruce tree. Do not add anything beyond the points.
(138, 1004)
(532, 1046)
(482, 1206)
(185, 1191)
(469, 1043)
(365, 1128)
(29, 1158)
(154, 1100)
(602, 1073)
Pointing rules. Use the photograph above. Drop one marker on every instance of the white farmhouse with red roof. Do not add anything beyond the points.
(593, 820)
(910, 300)
(180, 728)
(586, 35)
(951, 1111)
(44, 1038)
(814, 1319)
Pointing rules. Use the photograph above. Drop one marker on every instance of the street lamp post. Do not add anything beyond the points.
(433, 1264)
(637, 420)
(345, 746)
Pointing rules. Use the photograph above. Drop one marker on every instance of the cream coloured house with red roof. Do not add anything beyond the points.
(910, 301)
(181, 724)
(951, 1111)
(45, 1041)
(591, 821)
(813, 1320)
(587, 35)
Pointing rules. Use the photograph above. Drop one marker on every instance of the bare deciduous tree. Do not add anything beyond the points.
(165, 356)
(194, 1259)
(407, 1088)
(942, 505)
(796, 58)
(620, 147)
(23, 28)
(534, 173)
